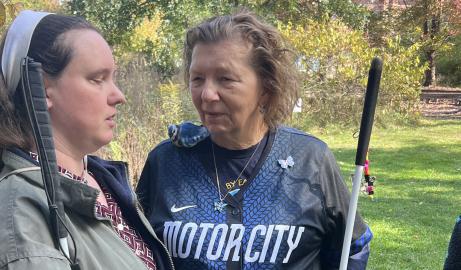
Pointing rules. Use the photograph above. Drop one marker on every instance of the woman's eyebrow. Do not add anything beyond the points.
(102, 71)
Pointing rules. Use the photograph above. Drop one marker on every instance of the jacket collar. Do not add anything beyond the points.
(114, 175)
(74, 195)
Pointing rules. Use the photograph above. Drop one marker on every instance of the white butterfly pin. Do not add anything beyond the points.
(286, 163)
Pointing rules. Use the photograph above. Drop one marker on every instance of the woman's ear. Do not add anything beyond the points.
(262, 103)
(49, 88)
(264, 99)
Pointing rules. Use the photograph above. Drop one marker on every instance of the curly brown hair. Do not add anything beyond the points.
(270, 57)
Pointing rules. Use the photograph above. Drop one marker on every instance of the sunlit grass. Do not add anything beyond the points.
(418, 170)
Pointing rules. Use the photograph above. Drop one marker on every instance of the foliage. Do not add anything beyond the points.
(149, 40)
(353, 15)
(431, 23)
(335, 61)
(125, 21)
(438, 20)
(445, 12)
(401, 79)
(10, 9)
(449, 64)
(115, 18)
(178, 16)
(43, 5)
(140, 27)
(145, 36)
(385, 24)
(120, 19)
(331, 57)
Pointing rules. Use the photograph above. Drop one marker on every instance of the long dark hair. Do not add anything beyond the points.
(49, 47)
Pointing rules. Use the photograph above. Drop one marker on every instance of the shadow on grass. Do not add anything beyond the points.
(416, 197)
(411, 222)
(440, 123)
(412, 162)
(415, 202)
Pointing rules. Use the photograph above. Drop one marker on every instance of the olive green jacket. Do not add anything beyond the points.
(25, 238)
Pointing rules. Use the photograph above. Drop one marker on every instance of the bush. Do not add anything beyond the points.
(403, 73)
(449, 65)
(335, 60)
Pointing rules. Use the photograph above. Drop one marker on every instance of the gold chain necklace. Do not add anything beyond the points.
(221, 205)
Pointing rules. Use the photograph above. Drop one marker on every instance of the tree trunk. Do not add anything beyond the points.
(429, 74)
(431, 28)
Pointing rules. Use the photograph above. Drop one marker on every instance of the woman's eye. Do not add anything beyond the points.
(97, 80)
(226, 79)
(196, 81)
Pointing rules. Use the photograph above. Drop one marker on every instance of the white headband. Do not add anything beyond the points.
(17, 45)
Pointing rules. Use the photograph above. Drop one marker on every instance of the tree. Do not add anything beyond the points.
(116, 19)
(438, 20)
(43, 5)
(335, 59)
(449, 64)
(121, 20)
(10, 9)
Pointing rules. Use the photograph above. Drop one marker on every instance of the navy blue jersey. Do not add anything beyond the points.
(291, 215)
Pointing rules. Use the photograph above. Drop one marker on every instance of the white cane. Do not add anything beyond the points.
(371, 96)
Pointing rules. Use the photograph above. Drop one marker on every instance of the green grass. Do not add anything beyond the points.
(417, 197)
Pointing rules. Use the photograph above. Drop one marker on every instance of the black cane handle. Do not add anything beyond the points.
(371, 97)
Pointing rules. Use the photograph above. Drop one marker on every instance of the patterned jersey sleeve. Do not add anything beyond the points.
(143, 188)
(337, 199)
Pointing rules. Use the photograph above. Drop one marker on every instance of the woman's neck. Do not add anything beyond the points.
(68, 157)
(70, 162)
(242, 140)
(67, 160)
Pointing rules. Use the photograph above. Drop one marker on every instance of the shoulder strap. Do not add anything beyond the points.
(18, 171)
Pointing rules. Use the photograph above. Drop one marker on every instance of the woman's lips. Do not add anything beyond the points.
(111, 121)
(212, 117)
(213, 114)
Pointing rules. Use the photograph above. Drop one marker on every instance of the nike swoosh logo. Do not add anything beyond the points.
(175, 209)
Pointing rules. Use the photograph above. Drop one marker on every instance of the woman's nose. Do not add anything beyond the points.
(210, 92)
(116, 96)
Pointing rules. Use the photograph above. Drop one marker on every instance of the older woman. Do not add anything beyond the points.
(106, 229)
(253, 194)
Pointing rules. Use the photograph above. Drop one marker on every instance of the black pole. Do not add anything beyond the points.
(371, 96)
(37, 110)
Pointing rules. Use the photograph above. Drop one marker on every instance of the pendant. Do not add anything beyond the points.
(233, 192)
(220, 206)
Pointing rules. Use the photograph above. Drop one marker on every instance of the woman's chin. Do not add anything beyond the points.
(106, 139)
(217, 129)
